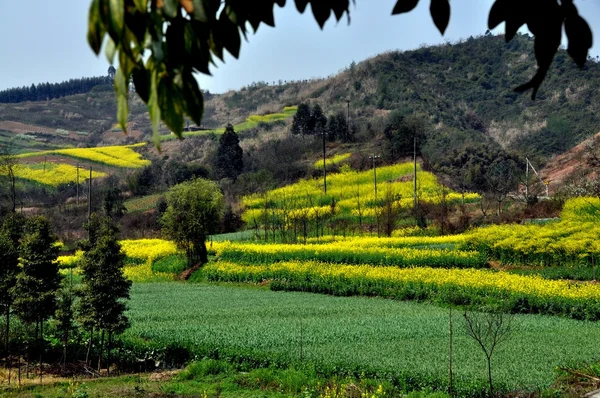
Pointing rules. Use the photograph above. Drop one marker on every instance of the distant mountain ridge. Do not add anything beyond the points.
(465, 86)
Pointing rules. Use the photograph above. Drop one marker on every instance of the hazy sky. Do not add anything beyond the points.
(45, 41)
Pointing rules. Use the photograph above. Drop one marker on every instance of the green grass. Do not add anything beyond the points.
(407, 340)
(143, 203)
(233, 236)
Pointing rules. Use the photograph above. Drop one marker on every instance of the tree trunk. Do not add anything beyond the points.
(41, 348)
(489, 361)
(101, 351)
(7, 341)
(108, 352)
(203, 253)
(87, 356)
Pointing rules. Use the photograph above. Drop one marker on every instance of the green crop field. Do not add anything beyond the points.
(408, 340)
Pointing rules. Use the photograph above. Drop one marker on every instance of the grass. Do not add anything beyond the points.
(404, 339)
(144, 203)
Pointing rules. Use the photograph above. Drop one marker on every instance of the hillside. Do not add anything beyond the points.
(463, 91)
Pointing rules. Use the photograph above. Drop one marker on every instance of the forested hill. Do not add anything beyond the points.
(47, 91)
(467, 86)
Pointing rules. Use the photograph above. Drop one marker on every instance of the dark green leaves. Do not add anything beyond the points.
(439, 9)
(580, 38)
(116, 18)
(440, 12)
(403, 6)
(96, 29)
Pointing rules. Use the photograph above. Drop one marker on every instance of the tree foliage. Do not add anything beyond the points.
(183, 37)
(47, 91)
(38, 280)
(302, 121)
(194, 211)
(230, 156)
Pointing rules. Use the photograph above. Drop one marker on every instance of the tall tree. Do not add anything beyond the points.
(230, 156)
(9, 268)
(194, 211)
(8, 166)
(302, 121)
(38, 281)
(104, 287)
(319, 120)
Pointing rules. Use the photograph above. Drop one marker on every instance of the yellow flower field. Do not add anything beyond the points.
(116, 156)
(510, 292)
(54, 174)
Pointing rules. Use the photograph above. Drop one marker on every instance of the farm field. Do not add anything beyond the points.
(113, 156)
(251, 122)
(350, 198)
(408, 340)
(53, 174)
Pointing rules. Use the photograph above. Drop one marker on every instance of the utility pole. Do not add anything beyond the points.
(348, 120)
(90, 195)
(415, 172)
(77, 184)
(323, 133)
(45, 158)
(374, 157)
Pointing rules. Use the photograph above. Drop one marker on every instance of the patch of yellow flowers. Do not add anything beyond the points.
(53, 174)
(468, 279)
(117, 156)
(347, 252)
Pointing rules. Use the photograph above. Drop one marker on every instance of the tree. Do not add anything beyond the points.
(400, 133)
(163, 43)
(104, 287)
(489, 330)
(9, 268)
(318, 120)
(8, 166)
(194, 211)
(230, 156)
(38, 281)
(302, 121)
(114, 203)
(111, 73)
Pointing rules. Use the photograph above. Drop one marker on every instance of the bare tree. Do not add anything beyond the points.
(489, 329)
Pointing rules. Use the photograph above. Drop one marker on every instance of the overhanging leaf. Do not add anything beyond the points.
(580, 39)
(170, 8)
(96, 29)
(153, 108)
(440, 12)
(169, 101)
(193, 101)
(499, 13)
(116, 19)
(141, 5)
(403, 6)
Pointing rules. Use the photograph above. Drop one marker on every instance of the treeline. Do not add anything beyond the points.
(33, 290)
(47, 91)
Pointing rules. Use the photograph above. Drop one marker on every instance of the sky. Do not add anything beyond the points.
(47, 41)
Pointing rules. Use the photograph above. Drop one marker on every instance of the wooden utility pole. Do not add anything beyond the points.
(324, 165)
(77, 184)
(374, 157)
(90, 195)
(415, 172)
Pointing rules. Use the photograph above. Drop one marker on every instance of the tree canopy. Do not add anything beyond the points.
(162, 43)
(194, 211)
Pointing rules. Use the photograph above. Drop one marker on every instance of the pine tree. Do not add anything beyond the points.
(319, 120)
(104, 287)
(38, 282)
(230, 156)
(301, 123)
(9, 268)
